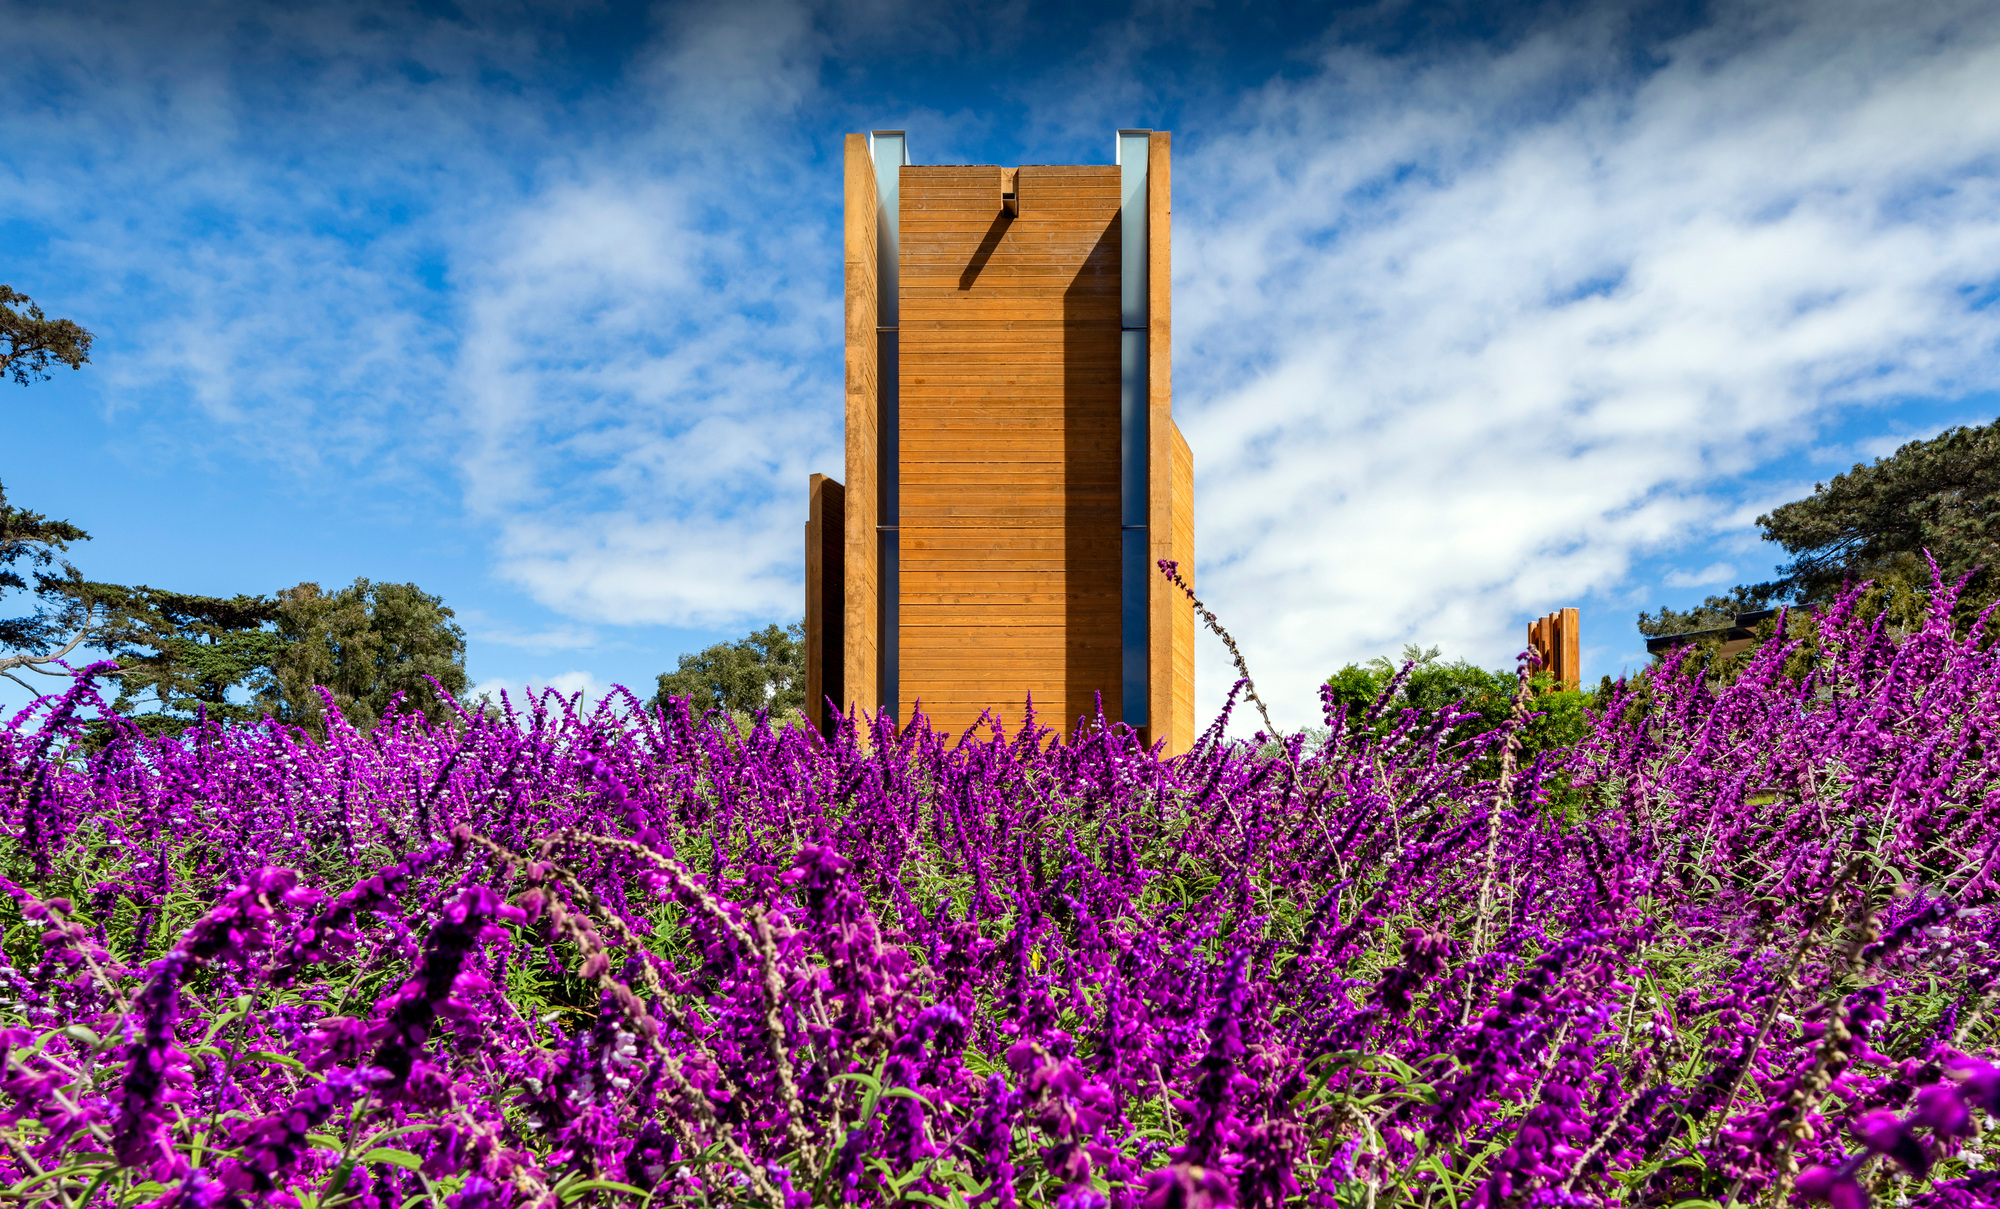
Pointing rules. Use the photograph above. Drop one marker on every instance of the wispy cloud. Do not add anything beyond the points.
(1464, 333)
(482, 628)
(1713, 575)
(1460, 338)
(521, 692)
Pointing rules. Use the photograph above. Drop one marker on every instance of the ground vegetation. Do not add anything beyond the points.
(629, 955)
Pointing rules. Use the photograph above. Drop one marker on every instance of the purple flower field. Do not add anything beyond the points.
(1735, 948)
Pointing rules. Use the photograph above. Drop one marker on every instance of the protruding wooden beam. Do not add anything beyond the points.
(1569, 649)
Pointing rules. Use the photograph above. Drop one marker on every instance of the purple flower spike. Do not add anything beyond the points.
(1839, 1188)
(1884, 1133)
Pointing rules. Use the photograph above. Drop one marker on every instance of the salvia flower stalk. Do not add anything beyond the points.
(1737, 946)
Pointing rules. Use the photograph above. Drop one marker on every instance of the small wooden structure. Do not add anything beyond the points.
(1014, 473)
(1732, 638)
(1555, 638)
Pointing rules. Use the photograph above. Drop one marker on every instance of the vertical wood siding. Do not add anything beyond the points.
(1161, 501)
(861, 654)
(1183, 629)
(1009, 435)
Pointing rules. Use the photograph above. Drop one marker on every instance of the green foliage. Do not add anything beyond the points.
(32, 543)
(1875, 523)
(1940, 495)
(1716, 612)
(30, 340)
(764, 670)
(1435, 685)
(181, 655)
(364, 644)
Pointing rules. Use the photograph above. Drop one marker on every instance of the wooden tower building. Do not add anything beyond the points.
(1013, 469)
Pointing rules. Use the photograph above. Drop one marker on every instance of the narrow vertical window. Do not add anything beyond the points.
(891, 154)
(1134, 577)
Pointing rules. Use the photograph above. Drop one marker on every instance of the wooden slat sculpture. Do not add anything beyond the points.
(1556, 640)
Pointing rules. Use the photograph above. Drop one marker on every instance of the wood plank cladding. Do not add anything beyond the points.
(973, 562)
(1182, 630)
(1009, 444)
(860, 655)
(1557, 640)
(1167, 499)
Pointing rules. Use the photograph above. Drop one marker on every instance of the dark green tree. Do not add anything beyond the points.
(31, 563)
(1874, 523)
(762, 671)
(363, 644)
(1712, 613)
(182, 657)
(30, 340)
(1940, 495)
(31, 545)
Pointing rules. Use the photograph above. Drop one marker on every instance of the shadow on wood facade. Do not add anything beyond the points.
(1013, 469)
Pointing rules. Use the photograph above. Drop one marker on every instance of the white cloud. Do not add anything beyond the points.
(1461, 335)
(1444, 367)
(482, 628)
(564, 684)
(646, 386)
(1714, 574)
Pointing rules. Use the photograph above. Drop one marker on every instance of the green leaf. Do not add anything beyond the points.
(103, 1173)
(1445, 1178)
(395, 1132)
(904, 1093)
(1696, 1204)
(264, 1055)
(576, 1190)
(868, 1081)
(393, 1156)
(76, 1032)
(336, 1183)
(222, 1022)
(59, 1173)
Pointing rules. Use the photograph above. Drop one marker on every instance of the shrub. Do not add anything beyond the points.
(549, 956)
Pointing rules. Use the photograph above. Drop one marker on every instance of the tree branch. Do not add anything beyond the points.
(41, 664)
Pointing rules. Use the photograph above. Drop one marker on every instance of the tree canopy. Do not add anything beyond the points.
(1875, 522)
(183, 656)
(363, 644)
(180, 655)
(764, 670)
(1434, 684)
(30, 340)
(31, 548)
(239, 658)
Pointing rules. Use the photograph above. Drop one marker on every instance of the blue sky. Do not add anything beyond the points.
(1480, 311)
